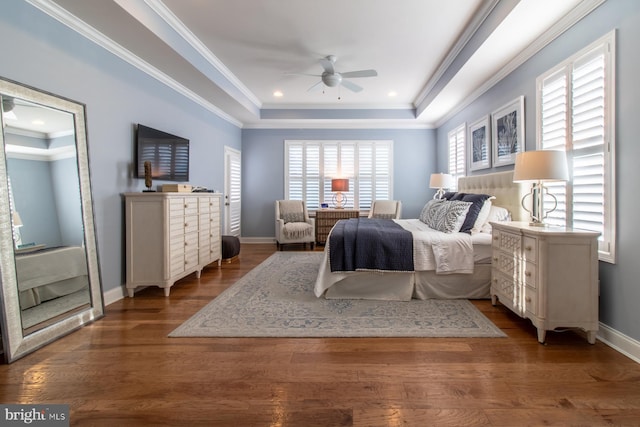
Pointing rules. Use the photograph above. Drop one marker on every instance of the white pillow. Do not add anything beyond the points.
(496, 214)
(483, 215)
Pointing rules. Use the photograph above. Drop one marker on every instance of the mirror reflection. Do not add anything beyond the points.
(46, 212)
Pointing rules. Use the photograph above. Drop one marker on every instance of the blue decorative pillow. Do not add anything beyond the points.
(477, 201)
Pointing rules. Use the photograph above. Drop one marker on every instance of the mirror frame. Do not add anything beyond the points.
(15, 343)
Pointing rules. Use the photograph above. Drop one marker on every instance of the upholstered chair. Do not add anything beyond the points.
(293, 224)
(389, 209)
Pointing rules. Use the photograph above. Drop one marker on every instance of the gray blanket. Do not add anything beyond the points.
(370, 244)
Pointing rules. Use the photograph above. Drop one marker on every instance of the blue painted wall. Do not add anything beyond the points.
(117, 96)
(263, 165)
(619, 287)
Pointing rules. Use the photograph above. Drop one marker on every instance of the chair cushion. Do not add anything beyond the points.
(296, 230)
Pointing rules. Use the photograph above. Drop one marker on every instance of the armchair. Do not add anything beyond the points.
(385, 209)
(293, 224)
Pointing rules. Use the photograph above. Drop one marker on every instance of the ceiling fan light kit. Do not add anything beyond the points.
(332, 78)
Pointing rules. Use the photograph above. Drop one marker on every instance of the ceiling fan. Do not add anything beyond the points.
(332, 78)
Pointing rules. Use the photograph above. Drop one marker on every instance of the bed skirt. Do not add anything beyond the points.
(404, 286)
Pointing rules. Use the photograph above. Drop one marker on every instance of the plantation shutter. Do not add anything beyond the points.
(573, 116)
(310, 166)
(457, 158)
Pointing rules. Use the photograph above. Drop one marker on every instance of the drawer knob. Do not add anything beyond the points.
(527, 273)
(495, 258)
(528, 248)
(528, 299)
(495, 237)
(186, 206)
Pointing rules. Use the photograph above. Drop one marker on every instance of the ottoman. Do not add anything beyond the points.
(230, 248)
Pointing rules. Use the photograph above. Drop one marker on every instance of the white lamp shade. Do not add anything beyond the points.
(542, 165)
(441, 180)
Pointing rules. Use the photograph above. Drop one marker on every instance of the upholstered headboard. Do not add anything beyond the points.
(508, 194)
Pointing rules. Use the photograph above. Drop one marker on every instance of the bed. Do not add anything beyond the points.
(424, 282)
(51, 281)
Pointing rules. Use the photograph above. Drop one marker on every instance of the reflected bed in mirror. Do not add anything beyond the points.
(49, 266)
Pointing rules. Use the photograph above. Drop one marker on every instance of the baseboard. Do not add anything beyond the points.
(113, 295)
(620, 342)
(258, 240)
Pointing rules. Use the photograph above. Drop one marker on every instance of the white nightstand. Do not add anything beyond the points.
(548, 275)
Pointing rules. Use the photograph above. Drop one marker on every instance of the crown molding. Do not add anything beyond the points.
(467, 35)
(63, 16)
(566, 22)
(178, 26)
(343, 124)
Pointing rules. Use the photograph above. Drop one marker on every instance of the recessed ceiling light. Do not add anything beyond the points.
(37, 122)
(278, 94)
(393, 93)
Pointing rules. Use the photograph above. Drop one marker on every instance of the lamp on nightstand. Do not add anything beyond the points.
(339, 185)
(539, 167)
(440, 181)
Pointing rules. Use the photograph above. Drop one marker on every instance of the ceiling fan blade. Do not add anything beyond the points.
(351, 86)
(361, 73)
(316, 86)
(327, 64)
(302, 74)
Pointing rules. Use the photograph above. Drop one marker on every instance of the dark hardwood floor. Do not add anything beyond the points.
(123, 370)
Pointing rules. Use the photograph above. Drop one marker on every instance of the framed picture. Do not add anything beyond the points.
(479, 144)
(507, 130)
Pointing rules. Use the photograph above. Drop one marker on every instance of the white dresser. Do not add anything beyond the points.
(548, 275)
(169, 236)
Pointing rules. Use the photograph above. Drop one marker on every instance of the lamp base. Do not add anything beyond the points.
(339, 200)
(538, 213)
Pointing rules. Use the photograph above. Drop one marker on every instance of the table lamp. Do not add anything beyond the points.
(338, 186)
(539, 167)
(440, 181)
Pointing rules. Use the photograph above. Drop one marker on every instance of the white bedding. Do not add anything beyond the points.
(452, 254)
(442, 252)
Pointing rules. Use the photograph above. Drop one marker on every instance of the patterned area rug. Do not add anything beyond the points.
(276, 299)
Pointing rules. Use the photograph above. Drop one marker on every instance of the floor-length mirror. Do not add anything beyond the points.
(49, 263)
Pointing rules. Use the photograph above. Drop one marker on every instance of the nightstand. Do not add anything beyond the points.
(327, 218)
(547, 274)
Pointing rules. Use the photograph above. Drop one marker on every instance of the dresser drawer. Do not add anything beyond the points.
(507, 263)
(507, 242)
(530, 301)
(530, 248)
(529, 275)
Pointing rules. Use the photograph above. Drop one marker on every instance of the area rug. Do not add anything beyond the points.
(276, 299)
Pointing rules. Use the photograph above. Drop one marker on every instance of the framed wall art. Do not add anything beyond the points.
(507, 131)
(479, 144)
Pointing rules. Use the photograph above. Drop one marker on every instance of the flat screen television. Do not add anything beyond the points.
(168, 154)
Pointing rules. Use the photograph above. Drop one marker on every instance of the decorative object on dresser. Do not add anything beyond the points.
(539, 167)
(293, 224)
(339, 186)
(169, 236)
(148, 181)
(441, 181)
(327, 218)
(548, 275)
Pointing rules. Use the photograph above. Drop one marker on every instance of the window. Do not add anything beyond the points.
(310, 166)
(575, 103)
(457, 158)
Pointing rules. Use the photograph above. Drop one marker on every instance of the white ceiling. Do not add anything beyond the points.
(231, 56)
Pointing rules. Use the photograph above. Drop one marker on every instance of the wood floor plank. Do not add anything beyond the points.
(124, 370)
